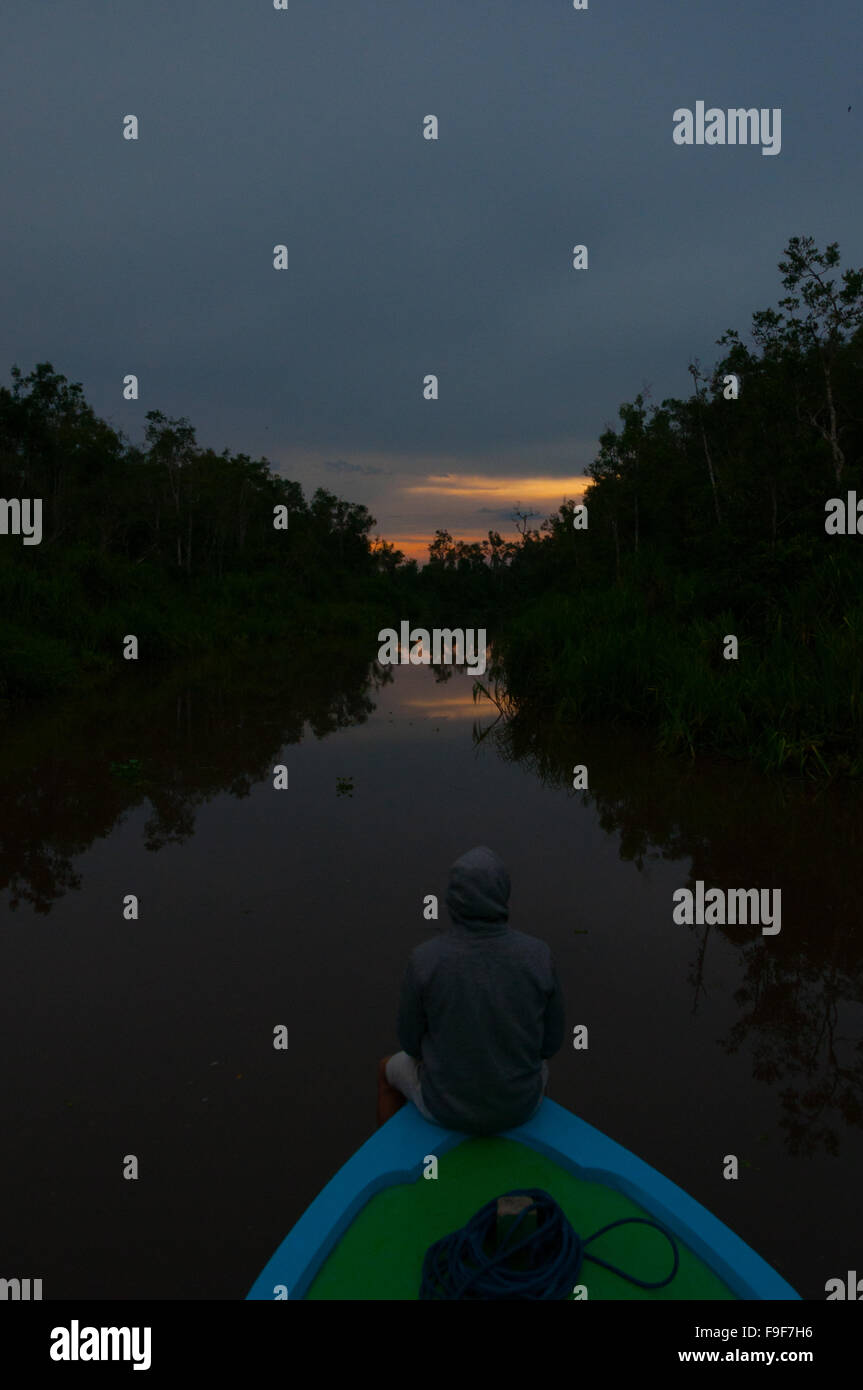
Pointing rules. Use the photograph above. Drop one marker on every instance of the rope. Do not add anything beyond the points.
(459, 1267)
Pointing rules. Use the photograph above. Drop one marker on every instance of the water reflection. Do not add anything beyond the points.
(73, 774)
(800, 1000)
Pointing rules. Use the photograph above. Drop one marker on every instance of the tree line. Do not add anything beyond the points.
(170, 503)
(706, 516)
(712, 481)
(167, 539)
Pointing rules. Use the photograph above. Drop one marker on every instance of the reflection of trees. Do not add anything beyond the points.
(173, 747)
(739, 829)
(42, 876)
(696, 973)
(792, 1024)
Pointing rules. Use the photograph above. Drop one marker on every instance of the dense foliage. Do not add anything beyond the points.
(172, 542)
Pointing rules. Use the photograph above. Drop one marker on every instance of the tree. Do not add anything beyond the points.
(442, 550)
(385, 556)
(832, 314)
(172, 447)
(521, 518)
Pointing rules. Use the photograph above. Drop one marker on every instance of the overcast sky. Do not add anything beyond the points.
(408, 256)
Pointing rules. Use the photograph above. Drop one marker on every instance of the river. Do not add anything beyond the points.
(153, 1037)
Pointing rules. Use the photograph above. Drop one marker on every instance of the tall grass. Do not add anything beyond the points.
(792, 701)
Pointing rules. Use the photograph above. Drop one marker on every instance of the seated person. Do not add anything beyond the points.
(481, 1009)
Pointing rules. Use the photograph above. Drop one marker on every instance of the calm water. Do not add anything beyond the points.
(260, 908)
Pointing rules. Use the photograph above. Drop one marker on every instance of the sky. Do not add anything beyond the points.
(407, 257)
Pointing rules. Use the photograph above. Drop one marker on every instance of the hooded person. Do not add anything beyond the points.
(481, 1010)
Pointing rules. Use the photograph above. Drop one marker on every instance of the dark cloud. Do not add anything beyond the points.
(504, 514)
(340, 466)
(406, 256)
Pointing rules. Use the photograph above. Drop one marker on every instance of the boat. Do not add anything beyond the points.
(366, 1234)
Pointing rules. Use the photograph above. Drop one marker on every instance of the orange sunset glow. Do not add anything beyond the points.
(527, 490)
(496, 497)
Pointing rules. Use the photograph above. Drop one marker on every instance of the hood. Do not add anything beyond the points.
(478, 892)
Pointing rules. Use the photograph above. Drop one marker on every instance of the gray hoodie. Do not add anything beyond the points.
(481, 1006)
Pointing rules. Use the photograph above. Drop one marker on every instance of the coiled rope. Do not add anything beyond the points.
(459, 1266)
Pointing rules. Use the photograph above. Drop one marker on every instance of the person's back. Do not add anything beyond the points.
(481, 1006)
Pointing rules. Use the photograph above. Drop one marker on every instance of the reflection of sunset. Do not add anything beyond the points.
(450, 704)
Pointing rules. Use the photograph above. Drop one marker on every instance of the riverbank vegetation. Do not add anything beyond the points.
(170, 542)
(706, 517)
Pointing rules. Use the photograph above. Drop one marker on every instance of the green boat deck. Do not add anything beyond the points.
(381, 1255)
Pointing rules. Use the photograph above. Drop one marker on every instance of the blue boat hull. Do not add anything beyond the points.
(396, 1153)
